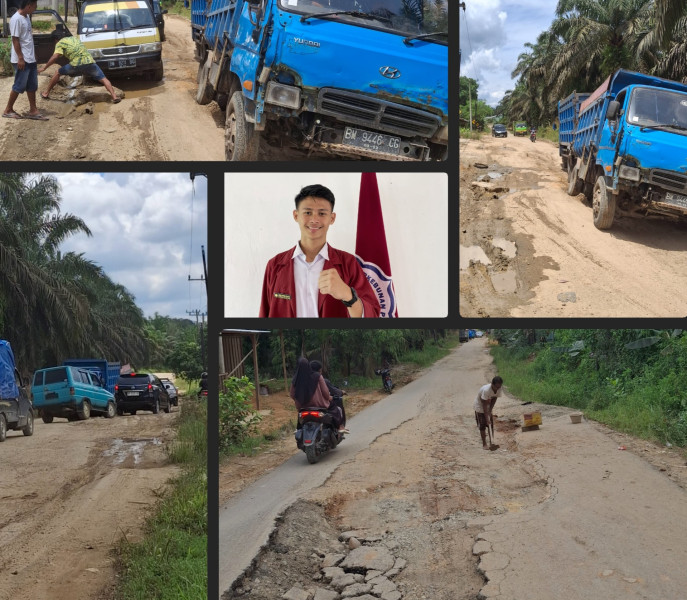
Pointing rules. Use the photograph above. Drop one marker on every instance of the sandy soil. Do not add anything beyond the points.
(69, 493)
(155, 121)
(527, 249)
(461, 516)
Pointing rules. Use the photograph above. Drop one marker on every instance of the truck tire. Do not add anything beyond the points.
(575, 184)
(84, 412)
(205, 92)
(27, 430)
(241, 141)
(603, 205)
(47, 418)
(3, 428)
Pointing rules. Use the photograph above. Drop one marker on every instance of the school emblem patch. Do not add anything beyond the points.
(383, 287)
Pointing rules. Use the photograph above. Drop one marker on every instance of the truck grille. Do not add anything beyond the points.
(378, 114)
(669, 180)
(120, 50)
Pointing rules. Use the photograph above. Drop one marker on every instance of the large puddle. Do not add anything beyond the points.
(504, 282)
(122, 449)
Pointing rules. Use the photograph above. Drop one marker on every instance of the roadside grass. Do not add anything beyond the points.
(546, 133)
(170, 563)
(176, 8)
(5, 54)
(466, 134)
(432, 351)
(640, 411)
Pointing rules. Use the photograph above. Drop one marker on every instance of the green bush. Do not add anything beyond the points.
(237, 419)
(5, 54)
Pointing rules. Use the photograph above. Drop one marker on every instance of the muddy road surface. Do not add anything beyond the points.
(69, 493)
(559, 512)
(527, 249)
(156, 121)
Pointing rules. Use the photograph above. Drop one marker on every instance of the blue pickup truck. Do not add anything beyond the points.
(625, 146)
(16, 411)
(362, 78)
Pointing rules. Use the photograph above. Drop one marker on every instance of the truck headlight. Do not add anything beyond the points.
(283, 95)
(152, 47)
(631, 173)
(96, 53)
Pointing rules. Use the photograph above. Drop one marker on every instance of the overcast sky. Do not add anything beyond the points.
(147, 234)
(493, 34)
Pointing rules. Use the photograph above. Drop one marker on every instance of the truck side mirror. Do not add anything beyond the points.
(613, 110)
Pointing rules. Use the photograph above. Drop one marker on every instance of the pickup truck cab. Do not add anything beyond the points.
(71, 393)
(16, 412)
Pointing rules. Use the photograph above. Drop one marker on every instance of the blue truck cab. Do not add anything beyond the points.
(361, 78)
(625, 146)
(16, 411)
(74, 391)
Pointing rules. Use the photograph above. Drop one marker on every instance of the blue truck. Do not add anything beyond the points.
(360, 78)
(16, 410)
(624, 146)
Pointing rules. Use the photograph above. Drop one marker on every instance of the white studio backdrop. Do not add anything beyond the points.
(258, 223)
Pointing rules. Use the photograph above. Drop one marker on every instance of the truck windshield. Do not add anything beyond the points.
(651, 107)
(426, 18)
(113, 16)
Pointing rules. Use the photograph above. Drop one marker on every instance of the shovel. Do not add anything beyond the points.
(492, 437)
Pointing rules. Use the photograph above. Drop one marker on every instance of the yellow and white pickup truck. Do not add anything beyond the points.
(122, 37)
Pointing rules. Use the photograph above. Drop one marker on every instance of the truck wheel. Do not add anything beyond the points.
(85, 411)
(205, 91)
(47, 418)
(27, 430)
(241, 141)
(3, 428)
(111, 410)
(603, 205)
(575, 184)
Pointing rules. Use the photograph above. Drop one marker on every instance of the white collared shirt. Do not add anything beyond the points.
(306, 277)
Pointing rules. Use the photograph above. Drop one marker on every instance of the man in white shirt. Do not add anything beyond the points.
(313, 279)
(23, 59)
(484, 404)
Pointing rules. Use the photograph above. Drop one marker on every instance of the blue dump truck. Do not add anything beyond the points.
(625, 147)
(75, 390)
(361, 78)
(16, 411)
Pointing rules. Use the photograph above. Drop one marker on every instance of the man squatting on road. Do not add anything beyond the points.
(484, 405)
(313, 279)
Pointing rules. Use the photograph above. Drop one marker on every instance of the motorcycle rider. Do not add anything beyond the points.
(533, 134)
(308, 389)
(336, 393)
(203, 383)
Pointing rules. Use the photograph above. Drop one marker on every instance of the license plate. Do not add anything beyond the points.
(121, 63)
(676, 200)
(378, 142)
(132, 393)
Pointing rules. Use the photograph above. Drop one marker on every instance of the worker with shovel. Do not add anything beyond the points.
(484, 405)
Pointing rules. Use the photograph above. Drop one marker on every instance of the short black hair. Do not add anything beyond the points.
(315, 191)
(315, 365)
(25, 3)
(496, 380)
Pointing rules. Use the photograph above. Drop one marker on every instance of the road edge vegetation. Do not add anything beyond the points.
(170, 563)
(631, 380)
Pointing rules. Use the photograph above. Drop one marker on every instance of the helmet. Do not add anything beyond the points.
(203, 374)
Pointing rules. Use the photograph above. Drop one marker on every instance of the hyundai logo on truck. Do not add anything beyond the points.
(390, 72)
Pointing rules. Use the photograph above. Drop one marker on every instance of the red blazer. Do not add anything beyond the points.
(279, 288)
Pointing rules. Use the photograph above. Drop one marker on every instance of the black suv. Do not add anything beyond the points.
(499, 130)
(141, 391)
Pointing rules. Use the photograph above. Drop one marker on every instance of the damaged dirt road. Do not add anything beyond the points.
(556, 513)
(527, 249)
(156, 121)
(69, 493)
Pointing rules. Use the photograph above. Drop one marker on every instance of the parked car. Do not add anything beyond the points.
(141, 391)
(71, 393)
(172, 391)
(16, 412)
(499, 130)
(463, 335)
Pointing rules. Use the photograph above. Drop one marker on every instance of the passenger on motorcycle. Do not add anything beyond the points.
(336, 393)
(308, 389)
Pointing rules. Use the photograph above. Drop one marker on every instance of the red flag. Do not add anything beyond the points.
(370, 245)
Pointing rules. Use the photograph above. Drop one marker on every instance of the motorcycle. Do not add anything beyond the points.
(386, 379)
(202, 394)
(533, 136)
(316, 433)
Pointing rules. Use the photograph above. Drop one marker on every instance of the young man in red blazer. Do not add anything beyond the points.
(313, 279)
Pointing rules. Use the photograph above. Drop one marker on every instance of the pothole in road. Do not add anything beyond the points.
(122, 449)
(469, 254)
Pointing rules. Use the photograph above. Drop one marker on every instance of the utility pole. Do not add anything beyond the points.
(197, 313)
(462, 5)
(203, 277)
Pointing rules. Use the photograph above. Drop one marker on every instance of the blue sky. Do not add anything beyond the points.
(495, 36)
(147, 229)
